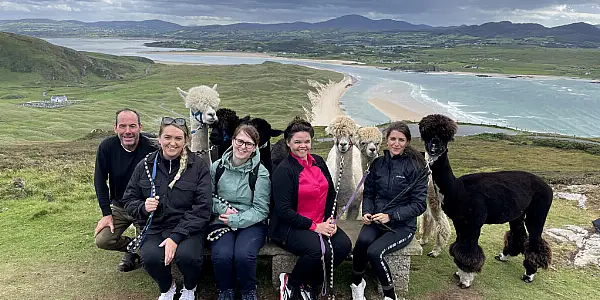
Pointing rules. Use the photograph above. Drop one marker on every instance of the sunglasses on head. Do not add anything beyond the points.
(170, 121)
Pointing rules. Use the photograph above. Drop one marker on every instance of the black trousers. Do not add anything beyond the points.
(306, 244)
(373, 244)
(188, 258)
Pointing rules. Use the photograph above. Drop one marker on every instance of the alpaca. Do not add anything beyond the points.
(224, 128)
(369, 140)
(522, 199)
(202, 102)
(343, 130)
(434, 221)
(279, 152)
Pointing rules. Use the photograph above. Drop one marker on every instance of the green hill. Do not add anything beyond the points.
(44, 61)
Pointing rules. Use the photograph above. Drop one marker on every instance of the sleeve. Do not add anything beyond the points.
(369, 191)
(260, 203)
(196, 219)
(282, 179)
(100, 178)
(417, 203)
(133, 198)
(217, 206)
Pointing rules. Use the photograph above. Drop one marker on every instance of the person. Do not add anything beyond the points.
(234, 252)
(116, 158)
(178, 197)
(304, 197)
(389, 213)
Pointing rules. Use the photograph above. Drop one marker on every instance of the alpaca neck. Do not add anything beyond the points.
(366, 161)
(200, 139)
(442, 174)
(346, 180)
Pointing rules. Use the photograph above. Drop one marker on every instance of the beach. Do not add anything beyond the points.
(255, 54)
(396, 112)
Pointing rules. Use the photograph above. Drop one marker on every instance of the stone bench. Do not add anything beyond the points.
(283, 261)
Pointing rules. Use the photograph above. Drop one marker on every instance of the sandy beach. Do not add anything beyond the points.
(325, 100)
(396, 112)
(254, 54)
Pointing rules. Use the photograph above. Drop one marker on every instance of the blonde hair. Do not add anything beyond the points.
(184, 152)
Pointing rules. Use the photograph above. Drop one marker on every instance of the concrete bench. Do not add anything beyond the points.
(283, 261)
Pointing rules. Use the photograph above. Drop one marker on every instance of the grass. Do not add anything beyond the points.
(50, 244)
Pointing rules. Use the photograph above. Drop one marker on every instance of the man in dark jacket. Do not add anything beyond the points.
(116, 158)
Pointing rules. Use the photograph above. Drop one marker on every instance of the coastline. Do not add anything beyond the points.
(396, 112)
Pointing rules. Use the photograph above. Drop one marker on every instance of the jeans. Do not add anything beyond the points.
(234, 256)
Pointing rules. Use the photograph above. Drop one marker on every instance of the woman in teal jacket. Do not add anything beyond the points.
(240, 210)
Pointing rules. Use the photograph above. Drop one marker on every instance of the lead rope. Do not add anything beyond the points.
(219, 232)
(137, 242)
(324, 289)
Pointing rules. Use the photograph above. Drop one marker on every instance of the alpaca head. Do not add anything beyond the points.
(227, 121)
(202, 100)
(369, 140)
(436, 131)
(265, 130)
(343, 130)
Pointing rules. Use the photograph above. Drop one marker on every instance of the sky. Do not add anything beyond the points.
(206, 12)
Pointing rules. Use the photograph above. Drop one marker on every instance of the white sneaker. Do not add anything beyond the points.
(388, 298)
(169, 294)
(188, 294)
(358, 291)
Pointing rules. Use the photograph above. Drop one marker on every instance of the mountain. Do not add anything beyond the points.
(72, 28)
(24, 54)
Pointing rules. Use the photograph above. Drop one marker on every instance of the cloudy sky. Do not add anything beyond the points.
(191, 12)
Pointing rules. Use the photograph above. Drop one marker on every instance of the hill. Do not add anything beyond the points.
(73, 28)
(45, 61)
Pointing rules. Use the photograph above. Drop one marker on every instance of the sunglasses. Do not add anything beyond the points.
(171, 121)
(240, 142)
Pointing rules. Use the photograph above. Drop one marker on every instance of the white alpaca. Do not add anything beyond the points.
(434, 221)
(203, 101)
(343, 130)
(369, 142)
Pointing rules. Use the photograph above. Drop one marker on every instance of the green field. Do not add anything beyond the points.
(47, 246)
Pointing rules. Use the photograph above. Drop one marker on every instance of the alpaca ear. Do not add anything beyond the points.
(182, 93)
(276, 132)
(214, 87)
(327, 130)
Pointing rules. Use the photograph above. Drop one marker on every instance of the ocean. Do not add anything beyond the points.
(551, 104)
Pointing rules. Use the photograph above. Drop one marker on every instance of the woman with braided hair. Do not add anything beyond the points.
(171, 190)
(240, 209)
(301, 222)
(393, 197)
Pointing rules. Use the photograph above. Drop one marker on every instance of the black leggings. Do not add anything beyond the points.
(188, 257)
(305, 244)
(373, 244)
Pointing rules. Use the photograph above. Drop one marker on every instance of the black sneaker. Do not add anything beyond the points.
(129, 262)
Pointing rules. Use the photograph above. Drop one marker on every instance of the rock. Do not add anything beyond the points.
(588, 244)
(580, 198)
(19, 183)
(49, 197)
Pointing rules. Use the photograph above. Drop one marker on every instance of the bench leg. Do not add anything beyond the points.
(281, 264)
(400, 270)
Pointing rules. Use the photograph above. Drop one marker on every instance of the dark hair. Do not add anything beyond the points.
(415, 156)
(125, 110)
(250, 131)
(298, 125)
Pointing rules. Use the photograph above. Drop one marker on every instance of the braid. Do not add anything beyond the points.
(182, 166)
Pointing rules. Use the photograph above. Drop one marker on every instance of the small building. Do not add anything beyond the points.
(58, 99)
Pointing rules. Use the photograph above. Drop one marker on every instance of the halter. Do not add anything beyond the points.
(197, 115)
(137, 242)
(205, 151)
(264, 145)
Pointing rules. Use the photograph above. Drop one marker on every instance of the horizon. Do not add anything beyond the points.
(90, 22)
(437, 13)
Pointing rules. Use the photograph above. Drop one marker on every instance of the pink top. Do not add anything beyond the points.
(312, 191)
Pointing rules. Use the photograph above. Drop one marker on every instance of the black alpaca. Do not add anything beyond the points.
(224, 128)
(522, 199)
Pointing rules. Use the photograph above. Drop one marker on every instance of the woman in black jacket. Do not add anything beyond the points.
(394, 196)
(301, 223)
(174, 186)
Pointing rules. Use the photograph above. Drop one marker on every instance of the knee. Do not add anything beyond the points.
(188, 258)
(469, 259)
(221, 254)
(374, 254)
(152, 258)
(105, 239)
(345, 246)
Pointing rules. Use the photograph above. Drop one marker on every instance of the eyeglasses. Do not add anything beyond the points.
(240, 142)
(170, 121)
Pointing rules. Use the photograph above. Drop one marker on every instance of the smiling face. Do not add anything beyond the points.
(396, 142)
(172, 142)
(300, 144)
(243, 146)
(128, 129)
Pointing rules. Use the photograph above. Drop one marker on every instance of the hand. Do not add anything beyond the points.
(224, 218)
(106, 221)
(151, 204)
(325, 228)
(230, 211)
(330, 221)
(367, 218)
(381, 218)
(170, 248)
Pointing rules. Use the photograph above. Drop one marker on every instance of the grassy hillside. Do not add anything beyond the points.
(38, 61)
